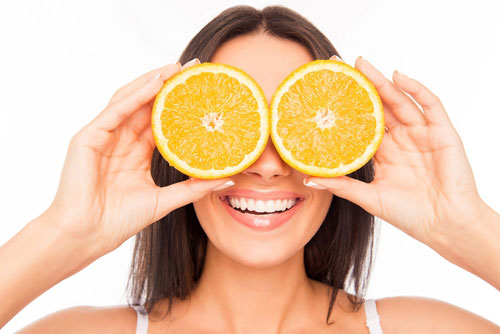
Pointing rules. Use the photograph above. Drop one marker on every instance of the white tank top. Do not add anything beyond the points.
(372, 318)
(142, 319)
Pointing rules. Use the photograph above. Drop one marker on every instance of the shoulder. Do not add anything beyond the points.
(86, 319)
(426, 315)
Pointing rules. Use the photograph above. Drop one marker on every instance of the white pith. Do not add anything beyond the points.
(269, 206)
(213, 121)
(325, 119)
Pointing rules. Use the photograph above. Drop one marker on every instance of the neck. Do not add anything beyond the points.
(247, 299)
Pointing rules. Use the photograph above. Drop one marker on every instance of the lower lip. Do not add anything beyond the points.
(262, 222)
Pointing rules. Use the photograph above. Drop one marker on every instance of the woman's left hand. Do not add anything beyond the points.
(423, 182)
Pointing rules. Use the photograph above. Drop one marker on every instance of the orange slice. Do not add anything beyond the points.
(327, 119)
(210, 121)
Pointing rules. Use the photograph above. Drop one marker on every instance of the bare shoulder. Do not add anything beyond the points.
(426, 315)
(86, 319)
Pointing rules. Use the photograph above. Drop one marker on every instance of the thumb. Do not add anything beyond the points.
(355, 191)
(335, 57)
(182, 193)
(192, 62)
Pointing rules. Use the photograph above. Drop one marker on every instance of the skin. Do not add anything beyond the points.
(246, 274)
(250, 267)
(244, 265)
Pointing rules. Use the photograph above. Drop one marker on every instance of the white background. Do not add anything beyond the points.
(62, 60)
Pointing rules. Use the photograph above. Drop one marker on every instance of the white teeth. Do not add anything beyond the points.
(243, 204)
(250, 205)
(270, 206)
(260, 205)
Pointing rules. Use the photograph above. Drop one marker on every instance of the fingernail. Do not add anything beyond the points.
(192, 62)
(337, 58)
(178, 63)
(313, 185)
(367, 62)
(364, 60)
(157, 76)
(402, 74)
(224, 185)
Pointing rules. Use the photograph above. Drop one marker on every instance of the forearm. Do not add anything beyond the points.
(474, 246)
(35, 259)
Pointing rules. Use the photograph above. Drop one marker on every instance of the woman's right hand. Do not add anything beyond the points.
(106, 193)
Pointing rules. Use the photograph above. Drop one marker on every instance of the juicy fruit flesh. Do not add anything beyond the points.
(212, 120)
(215, 131)
(326, 119)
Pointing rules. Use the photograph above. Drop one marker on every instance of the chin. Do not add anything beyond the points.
(261, 255)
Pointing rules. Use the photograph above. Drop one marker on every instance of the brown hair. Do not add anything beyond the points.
(169, 255)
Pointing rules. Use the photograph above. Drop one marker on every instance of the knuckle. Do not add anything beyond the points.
(384, 85)
(113, 99)
(437, 100)
(417, 91)
(116, 95)
(433, 100)
(77, 137)
(138, 100)
(400, 103)
(82, 136)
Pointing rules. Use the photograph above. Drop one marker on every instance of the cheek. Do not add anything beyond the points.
(314, 216)
(261, 249)
(206, 213)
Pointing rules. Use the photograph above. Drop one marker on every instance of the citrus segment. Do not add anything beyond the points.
(326, 119)
(210, 121)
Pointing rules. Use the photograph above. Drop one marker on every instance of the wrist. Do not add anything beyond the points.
(473, 243)
(82, 246)
(77, 252)
(479, 218)
(38, 257)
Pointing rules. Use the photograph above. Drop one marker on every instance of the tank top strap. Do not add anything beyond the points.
(142, 319)
(372, 318)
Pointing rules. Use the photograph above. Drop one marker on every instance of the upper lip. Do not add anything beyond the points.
(262, 195)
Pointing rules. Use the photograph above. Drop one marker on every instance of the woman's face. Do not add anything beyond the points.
(269, 60)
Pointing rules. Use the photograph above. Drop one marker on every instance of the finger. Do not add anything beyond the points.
(355, 191)
(402, 106)
(147, 138)
(115, 114)
(141, 119)
(434, 111)
(190, 63)
(182, 193)
(142, 80)
(335, 57)
(390, 120)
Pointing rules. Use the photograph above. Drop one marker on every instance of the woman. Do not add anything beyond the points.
(196, 270)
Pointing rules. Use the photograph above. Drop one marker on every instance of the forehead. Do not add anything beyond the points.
(267, 59)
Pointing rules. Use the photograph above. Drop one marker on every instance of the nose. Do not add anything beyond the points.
(269, 166)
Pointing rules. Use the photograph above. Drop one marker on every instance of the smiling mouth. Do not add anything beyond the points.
(226, 199)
